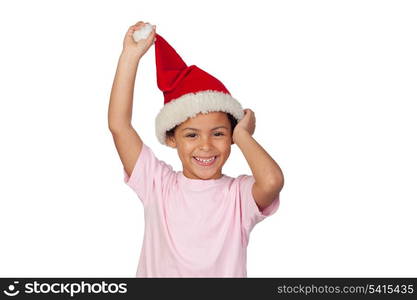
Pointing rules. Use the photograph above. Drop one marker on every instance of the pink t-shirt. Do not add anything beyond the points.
(193, 228)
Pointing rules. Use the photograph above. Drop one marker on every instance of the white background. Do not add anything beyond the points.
(333, 87)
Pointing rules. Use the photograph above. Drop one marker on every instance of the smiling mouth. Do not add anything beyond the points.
(206, 161)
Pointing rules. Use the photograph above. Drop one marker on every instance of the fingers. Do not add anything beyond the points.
(248, 111)
(139, 24)
(154, 33)
(135, 27)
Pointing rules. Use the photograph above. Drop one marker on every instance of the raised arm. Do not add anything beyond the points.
(269, 179)
(127, 141)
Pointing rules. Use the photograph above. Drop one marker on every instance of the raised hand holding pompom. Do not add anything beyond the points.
(139, 38)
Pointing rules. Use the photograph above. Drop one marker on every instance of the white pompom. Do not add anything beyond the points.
(142, 33)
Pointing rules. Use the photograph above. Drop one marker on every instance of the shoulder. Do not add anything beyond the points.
(148, 154)
(241, 183)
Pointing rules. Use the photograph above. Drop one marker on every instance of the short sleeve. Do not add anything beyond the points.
(149, 176)
(251, 214)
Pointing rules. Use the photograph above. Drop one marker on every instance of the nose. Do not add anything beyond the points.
(205, 143)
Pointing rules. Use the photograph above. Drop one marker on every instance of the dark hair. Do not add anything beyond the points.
(233, 122)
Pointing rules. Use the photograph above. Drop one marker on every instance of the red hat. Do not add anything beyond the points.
(188, 90)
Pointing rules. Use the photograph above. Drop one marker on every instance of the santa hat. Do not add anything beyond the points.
(188, 90)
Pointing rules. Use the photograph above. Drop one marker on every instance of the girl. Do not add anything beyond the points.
(198, 221)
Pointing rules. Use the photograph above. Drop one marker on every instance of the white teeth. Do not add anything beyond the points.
(205, 160)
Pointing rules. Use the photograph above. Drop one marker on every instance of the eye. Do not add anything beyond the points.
(218, 133)
(191, 135)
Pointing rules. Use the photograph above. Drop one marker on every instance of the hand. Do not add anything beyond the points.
(140, 47)
(246, 125)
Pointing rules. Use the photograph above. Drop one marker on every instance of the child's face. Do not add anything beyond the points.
(203, 145)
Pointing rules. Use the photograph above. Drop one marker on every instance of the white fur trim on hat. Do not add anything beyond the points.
(189, 105)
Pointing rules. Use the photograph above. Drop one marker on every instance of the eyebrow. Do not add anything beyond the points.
(195, 129)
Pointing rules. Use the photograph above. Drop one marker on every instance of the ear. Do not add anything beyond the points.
(170, 141)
